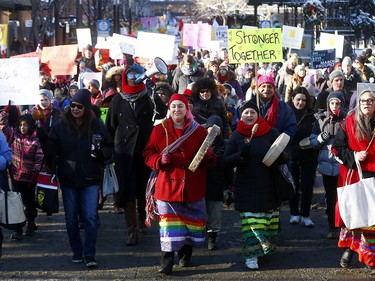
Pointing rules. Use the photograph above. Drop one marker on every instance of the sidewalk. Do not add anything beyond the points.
(303, 253)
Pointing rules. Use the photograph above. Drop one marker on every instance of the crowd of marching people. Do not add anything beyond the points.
(153, 129)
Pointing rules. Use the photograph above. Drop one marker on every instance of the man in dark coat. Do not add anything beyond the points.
(130, 121)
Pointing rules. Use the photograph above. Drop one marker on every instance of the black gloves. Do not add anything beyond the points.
(98, 154)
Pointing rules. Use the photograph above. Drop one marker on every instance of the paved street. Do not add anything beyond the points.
(303, 254)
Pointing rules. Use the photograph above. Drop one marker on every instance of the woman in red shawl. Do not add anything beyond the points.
(179, 193)
(354, 140)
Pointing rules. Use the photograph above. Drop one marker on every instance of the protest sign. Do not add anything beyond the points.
(255, 45)
(331, 41)
(292, 37)
(19, 80)
(127, 43)
(103, 113)
(323, 58)
(196, 35)
(92, 75)
(61, 59)
(4, 34)
(83, 38)
(221, 33)
(162, 45)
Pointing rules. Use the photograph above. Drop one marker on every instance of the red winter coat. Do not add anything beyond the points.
(175, 182)
(344, 146)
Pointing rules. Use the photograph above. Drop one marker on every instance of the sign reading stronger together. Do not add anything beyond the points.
(255, 45)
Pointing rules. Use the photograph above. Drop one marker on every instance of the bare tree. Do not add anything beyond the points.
(220, 8)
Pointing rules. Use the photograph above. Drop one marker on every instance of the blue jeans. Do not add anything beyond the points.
(86, 200)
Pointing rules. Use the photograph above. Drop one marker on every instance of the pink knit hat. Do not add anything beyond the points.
(266, 79)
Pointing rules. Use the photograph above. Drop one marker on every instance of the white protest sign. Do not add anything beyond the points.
(222, 33)
(90, 76)
(292, 37)
(331, 41)
(83, 38)
(19, 81)
(127, 43)
(113, 45)
(151, 45)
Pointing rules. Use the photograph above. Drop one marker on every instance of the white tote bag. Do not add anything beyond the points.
(12, 215)
(110, 183)
(357, 201)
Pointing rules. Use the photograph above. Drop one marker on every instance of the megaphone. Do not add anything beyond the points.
(159, 66)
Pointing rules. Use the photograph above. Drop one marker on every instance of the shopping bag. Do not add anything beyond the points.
(47, 193)
(285, 186)
(12, 215)
(110, 183)
(357, 201)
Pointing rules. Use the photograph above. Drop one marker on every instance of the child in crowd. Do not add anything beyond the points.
(322, 135)
(26, 163)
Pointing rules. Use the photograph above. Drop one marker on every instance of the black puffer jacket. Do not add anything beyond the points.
(305, 123)
(72, 154)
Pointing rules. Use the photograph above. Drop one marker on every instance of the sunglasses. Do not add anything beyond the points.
(204, 91)
(132, 75)
(74, 105)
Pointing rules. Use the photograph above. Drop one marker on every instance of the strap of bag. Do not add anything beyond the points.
(358, 166)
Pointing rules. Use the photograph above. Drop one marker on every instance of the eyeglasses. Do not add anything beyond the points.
(367, 102)
(132, 75)
(204, 91)
(74, 105)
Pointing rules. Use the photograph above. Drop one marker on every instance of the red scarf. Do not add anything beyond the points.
(246, 130)
(131, 90)
(272, 112)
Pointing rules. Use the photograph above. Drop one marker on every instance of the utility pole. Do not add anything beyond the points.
(79, 13)
(116, 16)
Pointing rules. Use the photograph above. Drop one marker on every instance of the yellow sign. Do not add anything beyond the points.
(103, 113)
(3, 34)
(255, 45)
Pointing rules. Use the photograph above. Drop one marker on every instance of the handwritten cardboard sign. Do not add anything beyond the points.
(255, 45)
(19, 81)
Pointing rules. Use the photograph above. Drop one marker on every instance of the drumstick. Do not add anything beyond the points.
(164, 124)
(253, 131)
(372, 139)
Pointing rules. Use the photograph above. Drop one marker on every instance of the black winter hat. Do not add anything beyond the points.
(249, 104)
(336, 95)
(83, 96)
